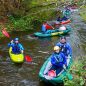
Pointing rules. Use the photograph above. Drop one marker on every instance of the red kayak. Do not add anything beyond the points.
(63, 22)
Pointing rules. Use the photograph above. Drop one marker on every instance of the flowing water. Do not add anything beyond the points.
(39, 49)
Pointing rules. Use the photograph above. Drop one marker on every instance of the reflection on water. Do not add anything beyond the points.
(39, 49)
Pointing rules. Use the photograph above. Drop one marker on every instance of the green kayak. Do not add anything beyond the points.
(16, 58)
(60, 76)
(55, 32)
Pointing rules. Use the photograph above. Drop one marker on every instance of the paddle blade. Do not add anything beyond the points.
(4, 32)
(70, 77)
(28, 58)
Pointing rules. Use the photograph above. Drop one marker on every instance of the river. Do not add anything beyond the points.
(39, 49)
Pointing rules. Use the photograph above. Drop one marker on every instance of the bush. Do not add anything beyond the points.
(30, 21)
(78, 74)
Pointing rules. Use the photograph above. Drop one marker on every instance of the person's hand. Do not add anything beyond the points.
(69, 56)
(11, 41)
(64, 67)
(22, 51)
(53, 28)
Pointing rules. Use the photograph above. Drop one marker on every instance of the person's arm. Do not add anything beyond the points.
(64, 61)
(21, 48)
(69, 50)
(10, 44)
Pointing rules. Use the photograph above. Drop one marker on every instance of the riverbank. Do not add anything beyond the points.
(33, 18)
(83, 12)
(78, 70)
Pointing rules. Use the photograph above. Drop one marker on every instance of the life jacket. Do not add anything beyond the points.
(64, 48)
(48, 27)
(56, 58)
(16, 48)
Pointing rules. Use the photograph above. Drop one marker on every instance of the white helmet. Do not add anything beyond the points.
(62, 28)
(56, 48)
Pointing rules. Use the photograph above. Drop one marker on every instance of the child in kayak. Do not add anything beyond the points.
(17, 48)
(58, 60)
(46, 27)
(65, 48)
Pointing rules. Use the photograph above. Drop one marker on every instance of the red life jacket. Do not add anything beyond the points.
(48, 26)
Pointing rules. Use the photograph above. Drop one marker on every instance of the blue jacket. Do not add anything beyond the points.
(65, 48)
(58, 59)
(62, 19)
(16, 48)
(43, 28)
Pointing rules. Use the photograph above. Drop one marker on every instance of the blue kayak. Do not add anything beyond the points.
(55, 32)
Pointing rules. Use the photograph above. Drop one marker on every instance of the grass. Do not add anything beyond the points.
(83, 12)
(78, 70)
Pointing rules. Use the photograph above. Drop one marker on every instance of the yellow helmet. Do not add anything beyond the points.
(56, 48)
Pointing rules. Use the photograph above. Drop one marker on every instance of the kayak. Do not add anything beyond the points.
(63, 22)
(16, 58)
(60, 76)
(55, 32)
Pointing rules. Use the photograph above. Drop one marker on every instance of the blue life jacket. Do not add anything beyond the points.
(64, 18)
(58, 59)
(65, 48)
(16, 48)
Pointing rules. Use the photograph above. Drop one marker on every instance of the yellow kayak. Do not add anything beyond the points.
(17, 58)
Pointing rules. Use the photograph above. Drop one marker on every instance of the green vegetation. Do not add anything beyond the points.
(30, 21)
(83, 12)
(78, 70)
(28, 14)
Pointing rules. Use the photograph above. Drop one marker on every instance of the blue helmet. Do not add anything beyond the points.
(16, 39)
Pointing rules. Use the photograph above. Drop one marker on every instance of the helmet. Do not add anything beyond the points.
(52, 73)
(56, 48)
(16, 39)
(63, 37)
(62, 28)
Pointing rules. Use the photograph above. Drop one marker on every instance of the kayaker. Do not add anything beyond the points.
(66, 13)
(58, 60)
(46, 27)
(17, 48)
(65, 48)
(60, 19)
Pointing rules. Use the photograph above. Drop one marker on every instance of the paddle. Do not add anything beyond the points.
(50, 25)
(28, 58)
(70, 77)
(5, 33)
